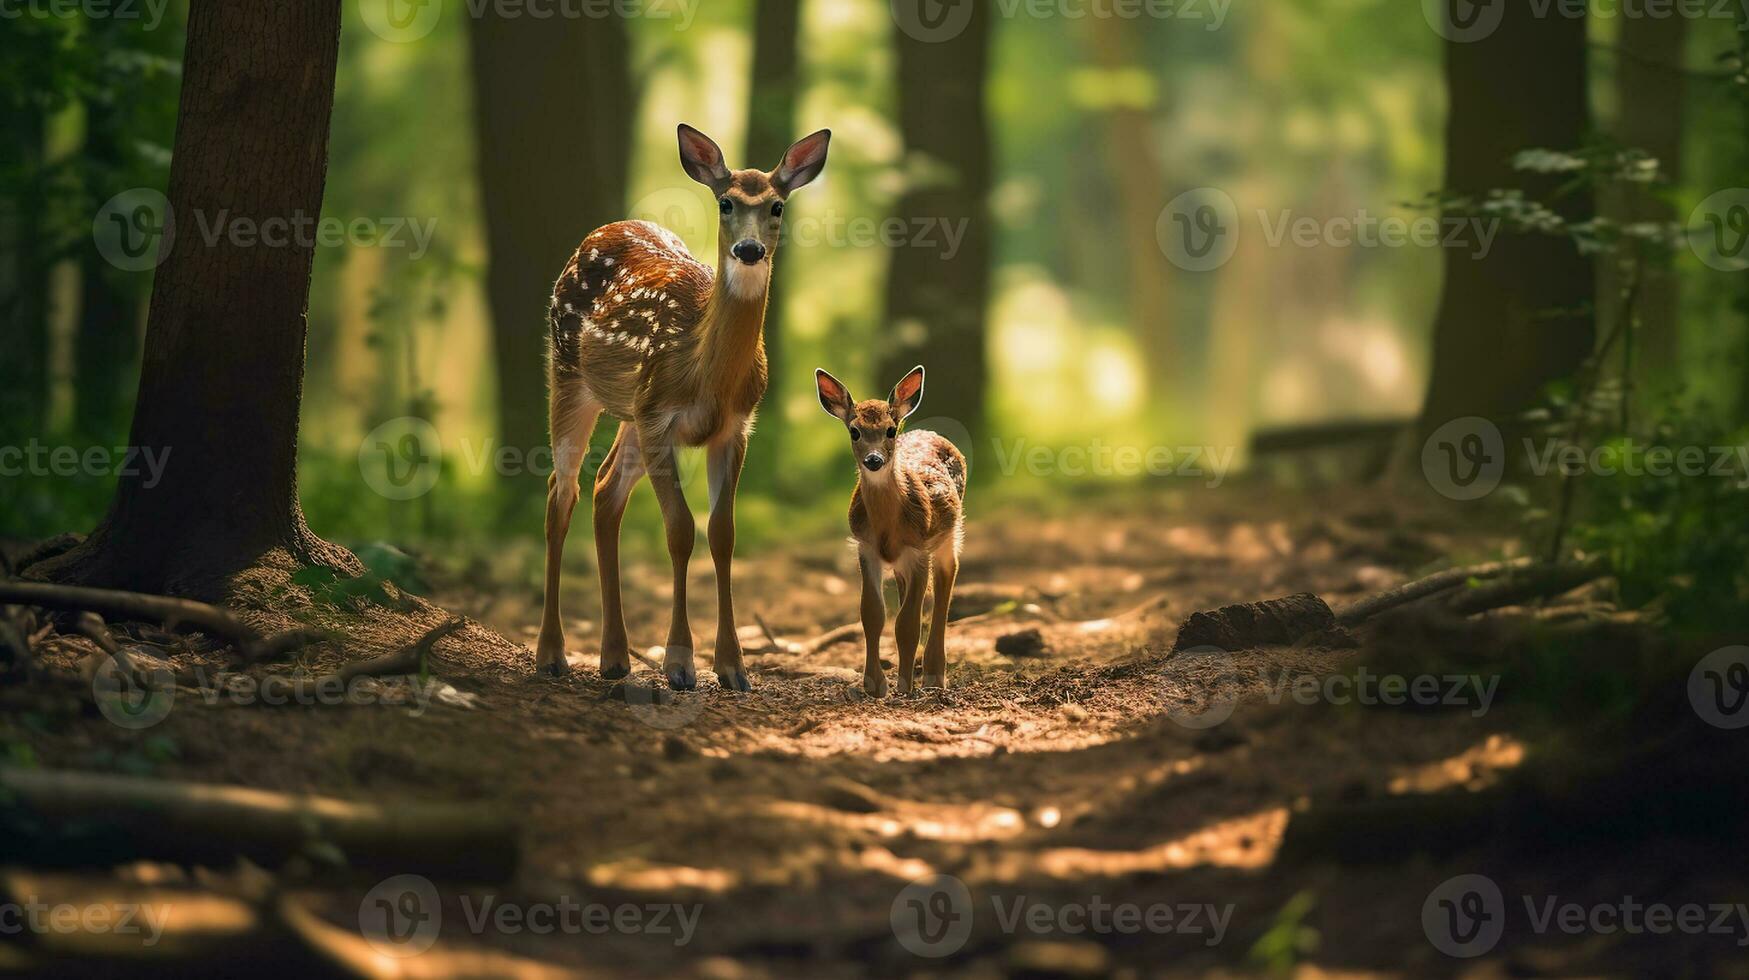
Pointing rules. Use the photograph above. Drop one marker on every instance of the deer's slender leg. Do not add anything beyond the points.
(614, 483)
(874, 620)
(935, 652)
(913, 580)
(662, 464)
(724, 465)
(572, 414)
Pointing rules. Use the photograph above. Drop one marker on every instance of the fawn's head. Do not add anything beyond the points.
(873, 424)
(751, 202)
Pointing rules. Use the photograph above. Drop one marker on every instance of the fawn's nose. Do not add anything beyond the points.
(873, 461)
(748, 251)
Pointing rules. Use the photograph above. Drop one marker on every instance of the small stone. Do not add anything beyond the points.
(1026, 643)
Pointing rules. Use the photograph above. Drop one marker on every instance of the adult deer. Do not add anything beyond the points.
(646, 332)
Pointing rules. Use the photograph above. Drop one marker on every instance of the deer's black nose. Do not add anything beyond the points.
(873, 461)
(748, 251)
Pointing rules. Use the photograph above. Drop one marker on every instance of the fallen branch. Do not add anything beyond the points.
(1537, 582)
(90, 820)
(410, 659)
(1421, 588)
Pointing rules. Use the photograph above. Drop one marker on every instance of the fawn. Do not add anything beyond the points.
(908, 511)
(646, 332)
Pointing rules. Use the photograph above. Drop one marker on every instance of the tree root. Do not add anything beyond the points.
(124, 818)
(251, 645)
(1362, 609)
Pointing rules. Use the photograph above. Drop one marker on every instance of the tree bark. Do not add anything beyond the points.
(1650, 89)
(24, 370)
(936, 303)
(771, 127)
(1136, 171)
(552, 117)
(107, 343)
(1521, 316)
(222, 373)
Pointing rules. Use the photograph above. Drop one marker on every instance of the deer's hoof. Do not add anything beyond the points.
(874, 685)
(934, 680)
(549, 660)
(735, 681)
(906, 685)
(613, 672)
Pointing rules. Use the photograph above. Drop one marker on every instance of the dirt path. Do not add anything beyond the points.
(1099, 773)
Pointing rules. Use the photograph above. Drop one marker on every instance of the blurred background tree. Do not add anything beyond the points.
(1058, 319)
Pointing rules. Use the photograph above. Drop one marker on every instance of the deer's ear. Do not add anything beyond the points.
(908, 393)
(703, 159)
(802, 163)
(834, 397)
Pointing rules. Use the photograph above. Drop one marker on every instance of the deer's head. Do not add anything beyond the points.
(750, 202)
(874, 424)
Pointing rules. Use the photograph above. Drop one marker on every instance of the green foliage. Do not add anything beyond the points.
(1289, 939)
(384, 564)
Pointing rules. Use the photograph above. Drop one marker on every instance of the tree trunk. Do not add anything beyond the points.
(222, 372)
(24, 370)
(1135, 170)
(552, 118)
(771, 125)
(1520, 317)
(936, 302)
(1650, 89)
(107, 343)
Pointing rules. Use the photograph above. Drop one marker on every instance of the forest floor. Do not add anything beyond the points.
(1103, 813)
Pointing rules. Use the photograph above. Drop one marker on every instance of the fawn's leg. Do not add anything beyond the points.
(614, 483)
(724, 465)
(947, 566)
(572, 416)
(912, 583)
(662, 465)
(874, 620)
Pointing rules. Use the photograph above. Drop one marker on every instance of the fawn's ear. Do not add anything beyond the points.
(802, 163)
(703, 159)
(834, 397)
(908, 393)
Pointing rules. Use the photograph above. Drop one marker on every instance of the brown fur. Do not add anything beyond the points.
(642, 330)
(908, 514)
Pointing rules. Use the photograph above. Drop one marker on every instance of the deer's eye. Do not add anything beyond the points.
(725, 206)
(777, 210)
(855, 434)
(892, 430)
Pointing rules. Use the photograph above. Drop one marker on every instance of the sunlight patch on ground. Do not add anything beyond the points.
(925, 821)
(1474, 768)
(644, 876)
(1250, 841)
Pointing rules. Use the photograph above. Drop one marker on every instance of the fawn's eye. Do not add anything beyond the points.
(777, 210)
(892, 430)
(724, 206)
(855, 434)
